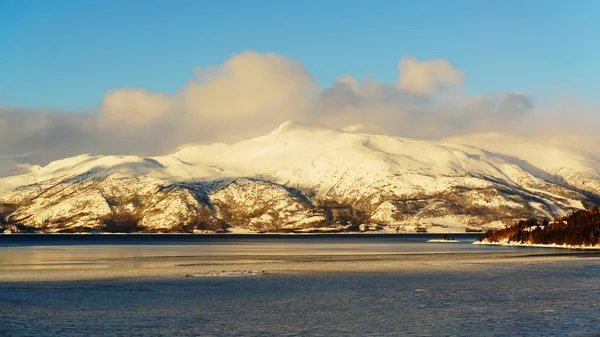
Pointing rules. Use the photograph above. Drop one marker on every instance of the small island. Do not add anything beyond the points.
(444, 239)
(578, 230)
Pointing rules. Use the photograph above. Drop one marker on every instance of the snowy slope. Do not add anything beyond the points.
(303, 176)
(564, 159)
(10, 167)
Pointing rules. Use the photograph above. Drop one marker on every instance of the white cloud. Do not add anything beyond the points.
(252, 93)
(247, 91)
(427, 77)
(127, 108)
(248, 85)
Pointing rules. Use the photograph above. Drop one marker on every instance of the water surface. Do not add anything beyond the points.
(451, 295)
(56, 251)
(518, 300)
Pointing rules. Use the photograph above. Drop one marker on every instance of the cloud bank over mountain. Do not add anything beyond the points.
(251, 93)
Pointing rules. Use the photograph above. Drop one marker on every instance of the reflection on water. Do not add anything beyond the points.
(122, 251)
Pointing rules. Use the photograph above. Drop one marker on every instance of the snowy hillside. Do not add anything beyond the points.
(562, 159)
(10, 167)
(306, 177)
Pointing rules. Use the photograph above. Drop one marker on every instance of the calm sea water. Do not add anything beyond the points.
(39, 251)
(506, 300)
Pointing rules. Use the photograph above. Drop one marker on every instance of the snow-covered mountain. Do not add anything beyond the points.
(306, 177)
(10, 167)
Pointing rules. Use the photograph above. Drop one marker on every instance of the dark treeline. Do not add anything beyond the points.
(578, 228)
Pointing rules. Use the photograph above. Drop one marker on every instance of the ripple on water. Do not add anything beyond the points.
(517, 301)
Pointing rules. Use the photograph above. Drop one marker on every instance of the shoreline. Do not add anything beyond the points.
(250, 233)
(168, 267)
(537, 245)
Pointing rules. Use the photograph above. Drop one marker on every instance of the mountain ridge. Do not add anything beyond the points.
(303, 177)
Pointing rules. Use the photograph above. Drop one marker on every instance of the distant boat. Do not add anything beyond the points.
(444, 239)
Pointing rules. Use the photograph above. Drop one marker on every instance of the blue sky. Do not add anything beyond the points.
(66, 55)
